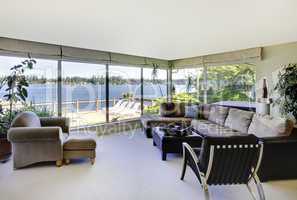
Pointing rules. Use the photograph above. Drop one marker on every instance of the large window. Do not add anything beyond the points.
(187, 85)
(42, 90)
(83, 93)
(231, 83)
(154, 89)
(124, 92)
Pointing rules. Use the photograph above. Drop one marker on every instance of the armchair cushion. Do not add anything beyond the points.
(31, 134)
(62, 122)
(26, 119)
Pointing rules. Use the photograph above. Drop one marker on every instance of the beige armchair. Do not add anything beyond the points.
(37, 139)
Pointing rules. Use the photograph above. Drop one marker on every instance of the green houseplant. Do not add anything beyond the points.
(15, 86)
(286, 88)
(154, 76)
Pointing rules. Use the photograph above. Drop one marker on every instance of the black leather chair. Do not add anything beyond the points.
(225, 161)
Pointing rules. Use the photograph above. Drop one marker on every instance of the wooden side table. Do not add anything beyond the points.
(5, 150)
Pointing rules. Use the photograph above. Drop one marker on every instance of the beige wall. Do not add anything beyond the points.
(273, 59)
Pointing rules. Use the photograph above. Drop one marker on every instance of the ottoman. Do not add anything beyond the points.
(77, 146)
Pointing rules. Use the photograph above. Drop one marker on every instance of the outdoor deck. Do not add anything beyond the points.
(89, 118)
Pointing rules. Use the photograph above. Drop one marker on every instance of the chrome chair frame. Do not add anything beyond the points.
(203, 177)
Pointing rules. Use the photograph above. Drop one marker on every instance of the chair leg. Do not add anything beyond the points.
(164, 156)
(251, 191)
(59, 163)
(206, 194)
(203, 184)
(67, 161)
(92, 161)
(184, 167)
(259, 188)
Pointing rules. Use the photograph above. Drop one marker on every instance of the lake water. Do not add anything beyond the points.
(47, 93)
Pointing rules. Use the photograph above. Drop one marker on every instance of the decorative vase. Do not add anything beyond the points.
(264, 89)
(263, 104)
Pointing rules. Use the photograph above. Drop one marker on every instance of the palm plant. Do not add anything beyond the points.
(155, 77)
(190, 82)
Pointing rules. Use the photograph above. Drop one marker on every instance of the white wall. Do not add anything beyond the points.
(274, 57)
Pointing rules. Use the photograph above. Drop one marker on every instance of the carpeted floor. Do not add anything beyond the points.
(127, 167)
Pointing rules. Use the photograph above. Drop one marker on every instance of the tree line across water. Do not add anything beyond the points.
(114, 80)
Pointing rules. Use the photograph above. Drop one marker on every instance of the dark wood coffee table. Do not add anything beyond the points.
(170, 143)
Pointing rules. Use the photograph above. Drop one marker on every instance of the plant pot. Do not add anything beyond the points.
(5, 148)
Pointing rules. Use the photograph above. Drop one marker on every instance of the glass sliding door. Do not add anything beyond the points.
(42, 90)
(231, 83)
(154, 89)
(124, 93)
(83, 93)
(187, 85)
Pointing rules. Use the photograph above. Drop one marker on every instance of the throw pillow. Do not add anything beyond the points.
(192, 111)
(168, 109)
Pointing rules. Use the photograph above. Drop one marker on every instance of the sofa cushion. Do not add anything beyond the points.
(209, 128)
(180, 111)
(267, 126)
(149, 121)
(239, 120)
(218, 114)
(204, 112)
(172, 109)
(26, 119)
(192, 111)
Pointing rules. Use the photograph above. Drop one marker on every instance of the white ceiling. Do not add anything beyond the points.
(167, 29)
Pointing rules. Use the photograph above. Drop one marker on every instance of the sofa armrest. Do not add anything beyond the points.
(62, 122)
(31, 134)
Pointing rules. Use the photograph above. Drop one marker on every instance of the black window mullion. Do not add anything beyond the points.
(141, 90)
(107, 92)
(59, 88)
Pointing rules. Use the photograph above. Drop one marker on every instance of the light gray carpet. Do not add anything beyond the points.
(127, 167)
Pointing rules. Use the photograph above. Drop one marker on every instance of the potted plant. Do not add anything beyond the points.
(287, 90)
(15, 85)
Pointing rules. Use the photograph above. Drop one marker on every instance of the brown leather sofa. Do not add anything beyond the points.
(278, 135)
(169, 113)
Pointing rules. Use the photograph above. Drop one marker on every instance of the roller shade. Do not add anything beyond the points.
(188, 62)
(23, 48)
(162, 64)
(242, 56)
(84, 55)
(116, 58)
(236, 57)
